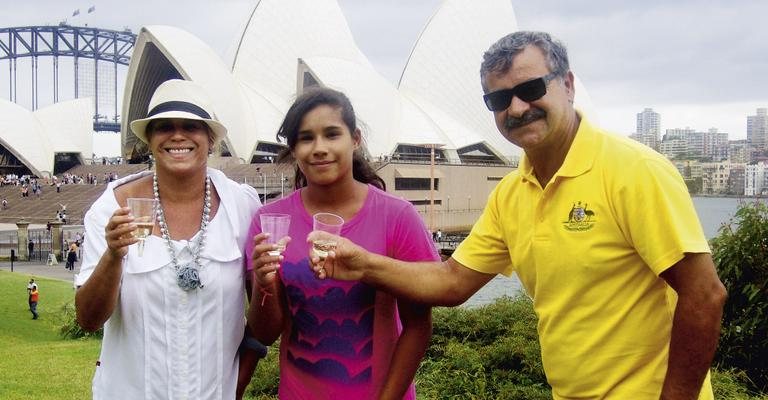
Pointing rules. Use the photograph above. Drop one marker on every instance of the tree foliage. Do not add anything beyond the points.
(740, 252)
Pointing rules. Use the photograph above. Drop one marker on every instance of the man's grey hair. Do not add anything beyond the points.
(498, 58)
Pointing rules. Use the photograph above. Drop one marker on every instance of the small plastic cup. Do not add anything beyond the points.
(326, 222)
(277, 226)
(144, 211)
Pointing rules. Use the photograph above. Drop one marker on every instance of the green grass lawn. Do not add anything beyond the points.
(35, 362)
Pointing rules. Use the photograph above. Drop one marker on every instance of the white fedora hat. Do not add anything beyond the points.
(178, 98)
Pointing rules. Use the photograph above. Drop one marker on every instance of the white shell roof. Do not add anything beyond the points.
(35, 137)
(438, 99)
(277, 35)
(442, 74)
(378, 105)
(280, 32)
(190, 59)
(69, 126)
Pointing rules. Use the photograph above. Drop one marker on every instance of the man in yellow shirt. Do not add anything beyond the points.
(601, 231)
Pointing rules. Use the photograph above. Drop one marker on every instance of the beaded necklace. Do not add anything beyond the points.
(187, 276)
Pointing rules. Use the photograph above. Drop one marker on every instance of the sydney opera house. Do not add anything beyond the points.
(286, 46)
(49, 140)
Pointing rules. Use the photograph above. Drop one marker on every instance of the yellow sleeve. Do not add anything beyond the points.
(485, 249)
(657, 214)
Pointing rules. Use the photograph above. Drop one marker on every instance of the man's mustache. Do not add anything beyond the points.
(525, 119)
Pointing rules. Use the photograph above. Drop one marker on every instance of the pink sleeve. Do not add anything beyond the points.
(409, 238)
(254, 230)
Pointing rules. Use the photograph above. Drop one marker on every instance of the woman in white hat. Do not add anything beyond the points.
(173, 316)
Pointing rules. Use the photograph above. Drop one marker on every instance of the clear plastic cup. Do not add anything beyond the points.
(277, 226)
(325, 222)
(144, 211)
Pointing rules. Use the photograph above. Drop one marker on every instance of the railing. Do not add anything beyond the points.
(457, 220)
(41, 238)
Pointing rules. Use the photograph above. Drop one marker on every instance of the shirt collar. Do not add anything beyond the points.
(580, 158)
(221, 246)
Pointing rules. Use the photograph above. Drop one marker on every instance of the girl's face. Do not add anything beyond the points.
(324, 146)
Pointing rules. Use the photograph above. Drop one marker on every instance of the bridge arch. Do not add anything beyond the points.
(109, 50)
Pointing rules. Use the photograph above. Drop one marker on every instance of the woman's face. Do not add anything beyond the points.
(179, 145)
(324, 146)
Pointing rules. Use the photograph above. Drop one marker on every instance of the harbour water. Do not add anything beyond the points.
(713, 213)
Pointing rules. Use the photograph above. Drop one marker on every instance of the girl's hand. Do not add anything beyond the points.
(265, 266)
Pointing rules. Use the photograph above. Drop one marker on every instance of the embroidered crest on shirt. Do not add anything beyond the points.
(580, 218)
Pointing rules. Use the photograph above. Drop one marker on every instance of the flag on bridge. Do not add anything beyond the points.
(91, 9)
(77, 12)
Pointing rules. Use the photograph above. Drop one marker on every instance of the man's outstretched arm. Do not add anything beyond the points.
(435, 283)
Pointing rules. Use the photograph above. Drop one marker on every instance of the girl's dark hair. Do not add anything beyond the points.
(289, 132)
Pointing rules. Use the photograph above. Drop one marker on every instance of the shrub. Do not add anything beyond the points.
(740, 252)
(490, 352)
(68, 326)
(733, 385)
(485, 353)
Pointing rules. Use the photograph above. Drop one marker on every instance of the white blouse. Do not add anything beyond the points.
(162, 342)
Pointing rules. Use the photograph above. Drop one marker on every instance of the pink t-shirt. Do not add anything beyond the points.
(341, 335)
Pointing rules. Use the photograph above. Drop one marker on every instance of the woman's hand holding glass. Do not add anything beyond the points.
(119, 232)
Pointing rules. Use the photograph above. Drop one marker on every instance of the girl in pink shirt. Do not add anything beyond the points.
(339, 340)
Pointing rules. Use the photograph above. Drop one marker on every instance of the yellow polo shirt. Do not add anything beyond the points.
(588, 248)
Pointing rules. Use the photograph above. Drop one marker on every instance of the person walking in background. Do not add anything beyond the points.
(31, 248)
(32, 284)
(601, 231)
(174, 316)
(375, 352)
(34, 297)
(72, 256)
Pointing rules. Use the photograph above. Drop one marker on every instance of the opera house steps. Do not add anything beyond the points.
(274, 179)
(41, 210)
(100, 169)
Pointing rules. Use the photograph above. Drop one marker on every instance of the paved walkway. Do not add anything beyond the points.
(36, 269)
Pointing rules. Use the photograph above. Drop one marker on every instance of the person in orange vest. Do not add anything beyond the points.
(34, 295)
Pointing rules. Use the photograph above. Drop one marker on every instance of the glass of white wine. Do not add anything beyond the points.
(144, 211)
(277, 226)
(325, 222)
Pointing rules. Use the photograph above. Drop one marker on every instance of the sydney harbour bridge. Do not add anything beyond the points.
(42, 65)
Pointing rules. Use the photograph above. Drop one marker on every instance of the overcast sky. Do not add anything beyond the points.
(700, 64)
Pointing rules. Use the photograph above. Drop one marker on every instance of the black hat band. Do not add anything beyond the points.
(178, 106)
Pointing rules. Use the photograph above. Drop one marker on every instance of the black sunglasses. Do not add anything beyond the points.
(527, 91)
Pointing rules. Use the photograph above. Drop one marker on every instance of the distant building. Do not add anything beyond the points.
(648, 128)
(711, 145)
(647, 139)
(757, 129)
(738, 151)
(649, 122)
(674, 144)
(756, 179)
(716, 177)
(736, 179)
(716, 145)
